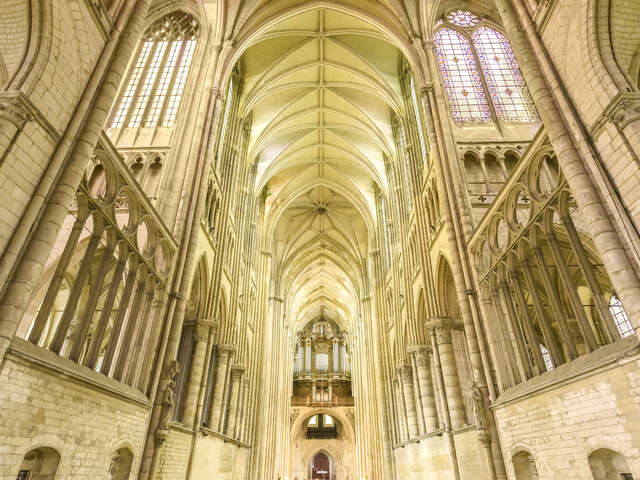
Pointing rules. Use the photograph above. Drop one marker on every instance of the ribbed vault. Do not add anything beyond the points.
(321, 89)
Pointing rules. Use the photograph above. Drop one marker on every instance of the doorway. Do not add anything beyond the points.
(321, 467)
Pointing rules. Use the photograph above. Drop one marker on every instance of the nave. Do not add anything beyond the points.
(319, 240)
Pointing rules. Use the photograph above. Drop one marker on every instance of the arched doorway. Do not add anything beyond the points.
(321, 467)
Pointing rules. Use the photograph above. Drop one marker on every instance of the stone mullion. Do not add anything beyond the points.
(118, 322)
(534, 343)
(130, 326)
(504, 358)
(107, 308)
(590, 276)
(142, 331)
(149, 347)
(516, 331)
(56, 281)
(110, 70)
(90, 307)
(74, 295)
(555, 303)
(531, 56)
(501, 333)
(572, 293)
(543, 319)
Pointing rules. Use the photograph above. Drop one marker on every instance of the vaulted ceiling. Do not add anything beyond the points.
(321, 89)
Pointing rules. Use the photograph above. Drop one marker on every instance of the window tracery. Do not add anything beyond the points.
(156, 83)
(620, 317)
(480, 73)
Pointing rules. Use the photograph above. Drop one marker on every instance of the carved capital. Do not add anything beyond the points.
(237, 371)
(201, 332)
(15, 108)
(226, 349)
(443, 333)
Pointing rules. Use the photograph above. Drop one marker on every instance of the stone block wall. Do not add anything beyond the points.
(43, 404)
(561, 426)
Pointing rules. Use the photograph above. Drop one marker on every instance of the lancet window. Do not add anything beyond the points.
(480, 73)
(157, 80)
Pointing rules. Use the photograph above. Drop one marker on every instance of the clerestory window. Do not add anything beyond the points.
(157, 80)
(480, 73)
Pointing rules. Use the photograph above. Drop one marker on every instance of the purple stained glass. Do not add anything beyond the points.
(463, 19)
(461, 78)
(506, 86)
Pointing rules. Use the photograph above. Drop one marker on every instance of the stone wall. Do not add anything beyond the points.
(49, 401)
(561, 424)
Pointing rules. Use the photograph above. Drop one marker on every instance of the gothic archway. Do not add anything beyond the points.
(321, 467)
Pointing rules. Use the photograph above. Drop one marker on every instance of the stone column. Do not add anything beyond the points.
(19, 287)
(572, 292)
(401, 414)
(236, 386)
(406, 381)
(451, 381)
(307, 356)
(336, 354)
(224, 353)
(201, 337)
(427, 393)
(530, 54)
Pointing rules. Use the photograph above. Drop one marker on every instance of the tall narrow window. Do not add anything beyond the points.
(620, 317)
(419, 126)
(479, 71)
(546, 356)
(507, 89)
(158, 78)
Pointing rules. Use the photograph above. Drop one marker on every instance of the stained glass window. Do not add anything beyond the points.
(463, 19)
(620, 317)
(480, 73)
(461, 78)
(506, 86)
(158, 78)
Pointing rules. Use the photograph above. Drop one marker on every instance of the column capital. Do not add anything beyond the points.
(420, 351)
(405, 372)
(226, 349)
(201, 332)
(237, 371)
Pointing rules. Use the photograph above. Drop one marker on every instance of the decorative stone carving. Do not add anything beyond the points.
(293, 415)
(168, 395)
(351, 417)
(478, 408)
(443, 334)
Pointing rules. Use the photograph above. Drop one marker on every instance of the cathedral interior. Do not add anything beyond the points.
(320, 239)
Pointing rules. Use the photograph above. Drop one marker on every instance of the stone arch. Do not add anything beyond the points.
(607, 464)
(40, 463)
(121, 463)
(617, 46)
(447, 292)
(524, 465)
(395, 34)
